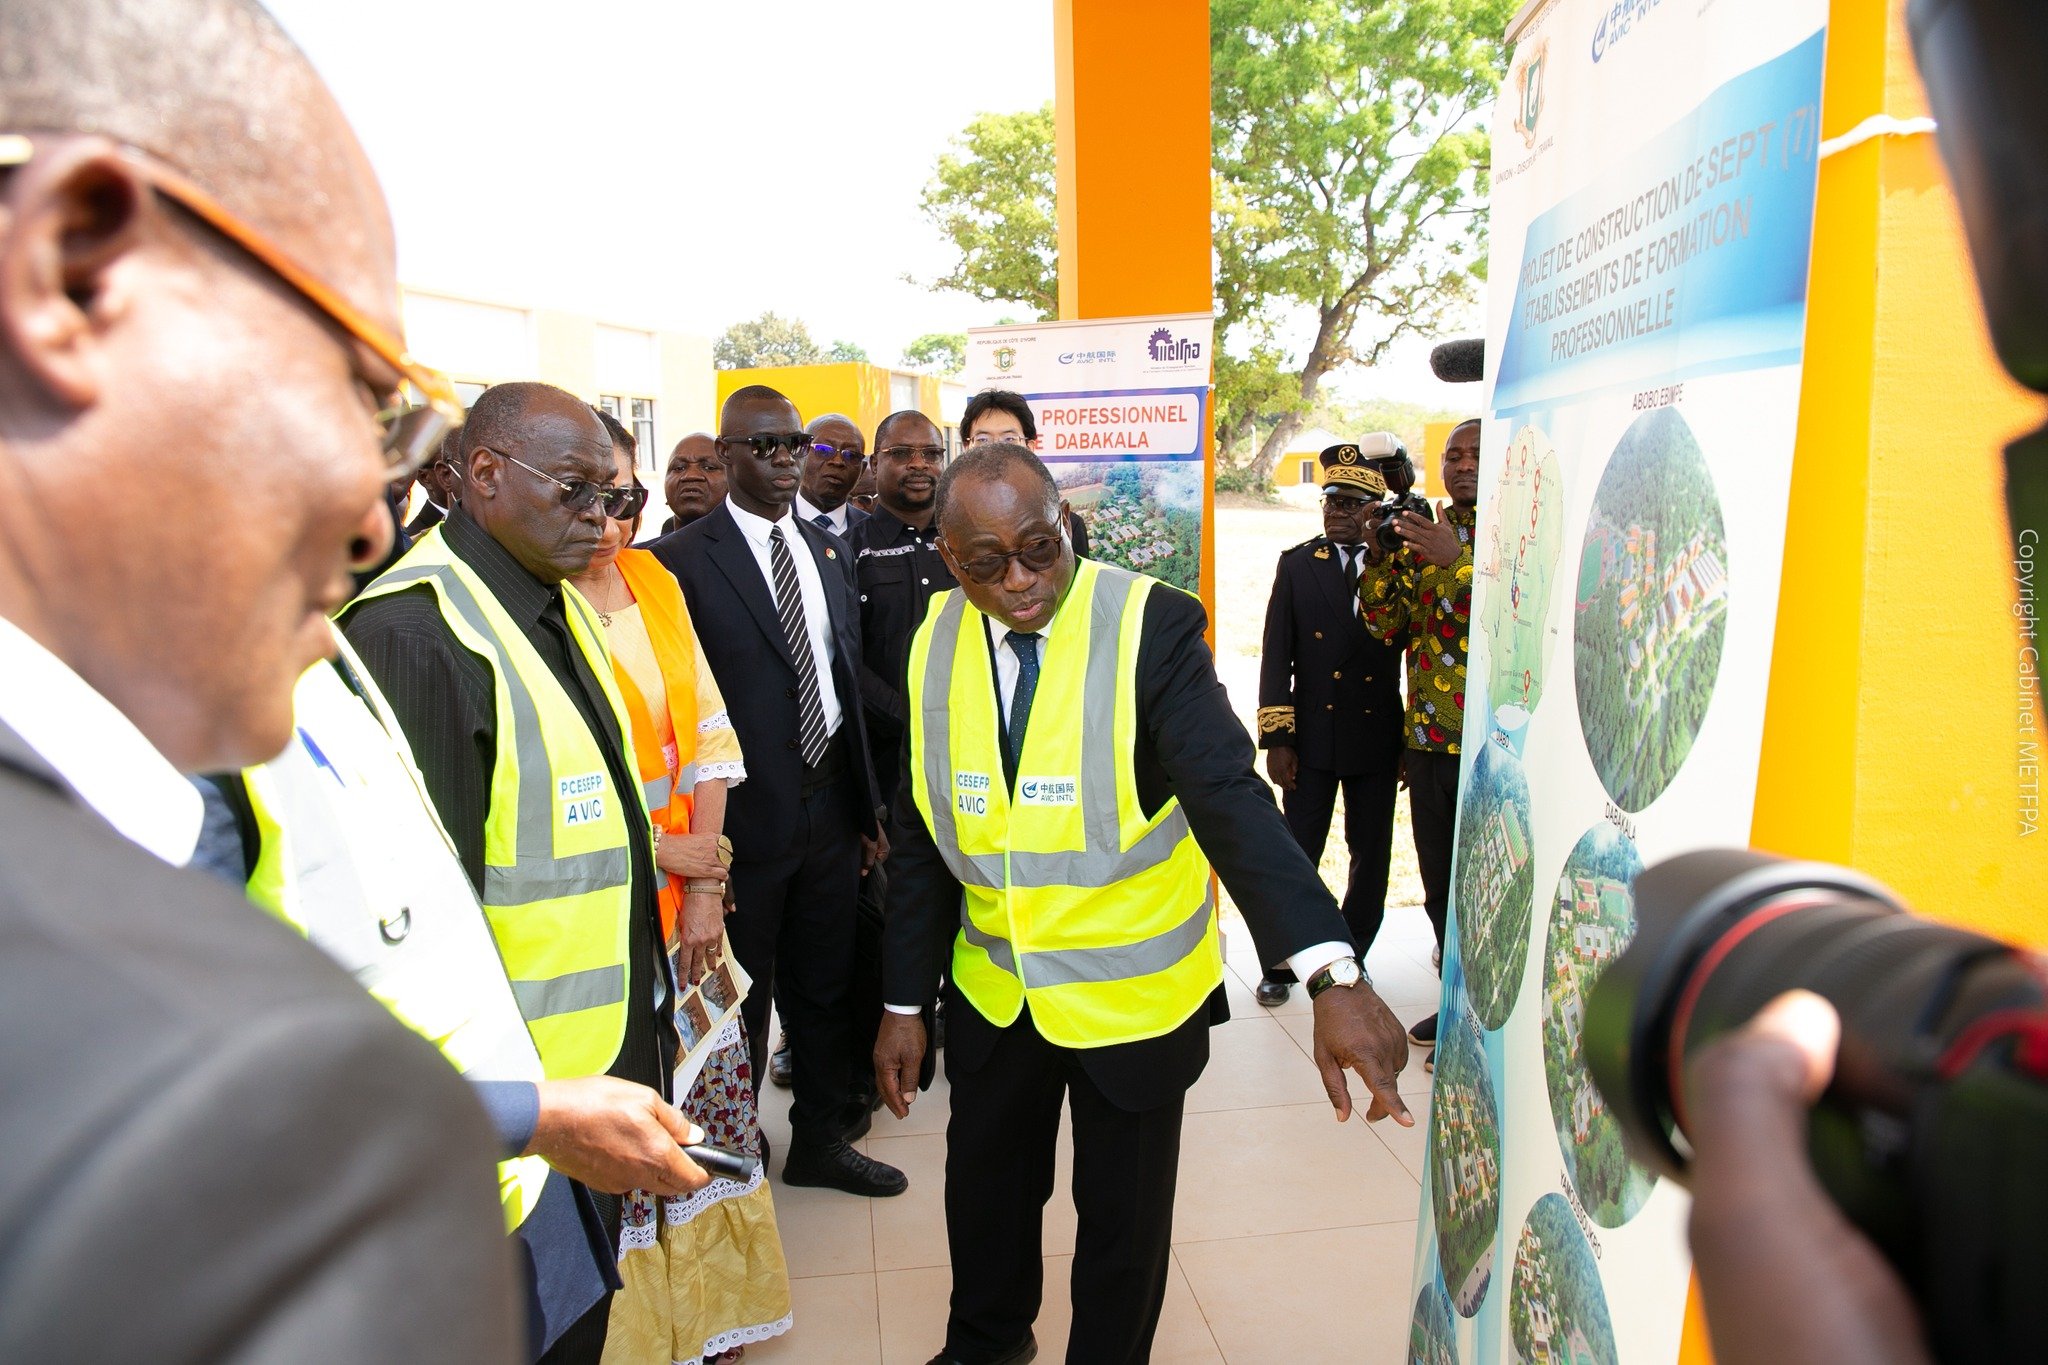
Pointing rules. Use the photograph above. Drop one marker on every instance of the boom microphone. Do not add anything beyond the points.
(1459, 362)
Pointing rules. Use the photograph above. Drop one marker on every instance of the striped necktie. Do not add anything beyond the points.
(789, 603)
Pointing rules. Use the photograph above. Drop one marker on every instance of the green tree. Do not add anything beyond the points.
(939, 352)
(846, 350)
(1351, 159)
(994, 198)
(767, 341)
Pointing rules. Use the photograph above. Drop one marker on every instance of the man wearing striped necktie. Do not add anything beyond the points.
(774, 602)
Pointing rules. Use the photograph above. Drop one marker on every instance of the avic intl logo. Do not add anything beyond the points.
(1164, 345)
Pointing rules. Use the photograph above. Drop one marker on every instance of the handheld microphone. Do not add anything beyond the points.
(735, 1166)
(1459, 362)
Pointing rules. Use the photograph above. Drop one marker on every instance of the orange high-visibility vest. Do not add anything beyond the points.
(668, 779)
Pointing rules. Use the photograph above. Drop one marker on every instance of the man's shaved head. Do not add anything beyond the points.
(216, 89)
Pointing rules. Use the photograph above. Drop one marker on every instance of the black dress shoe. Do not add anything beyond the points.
(1020, 1354)
(836, 1166)
(1423, 1032)
(1270, 992)
(779, 1070)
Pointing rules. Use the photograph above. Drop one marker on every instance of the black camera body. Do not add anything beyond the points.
(1931, 1137)
(1383, 528)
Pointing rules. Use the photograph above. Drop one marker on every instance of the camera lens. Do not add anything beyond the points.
(1722, 933)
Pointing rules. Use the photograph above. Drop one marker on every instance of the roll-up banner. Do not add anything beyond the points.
(1122, 408)
(1655, 164)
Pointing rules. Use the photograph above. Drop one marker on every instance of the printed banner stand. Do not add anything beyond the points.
(1652, 222)
(1122, 406)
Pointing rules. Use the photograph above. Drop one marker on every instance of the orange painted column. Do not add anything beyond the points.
(1132, 105)
(1892, 737)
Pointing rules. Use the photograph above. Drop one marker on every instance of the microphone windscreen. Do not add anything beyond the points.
(1459, 362)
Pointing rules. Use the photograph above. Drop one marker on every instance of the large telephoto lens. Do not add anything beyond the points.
(1722, 933)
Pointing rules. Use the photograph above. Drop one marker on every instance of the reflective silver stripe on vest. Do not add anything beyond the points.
(998, 949)
(585, 990)
(656, 792)
(539, 875)
(1104, 860)
(984, 869)
(1075, 966)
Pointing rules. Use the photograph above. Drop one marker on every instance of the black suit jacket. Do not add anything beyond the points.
(1326, 687)
(1191, 746)
(734, 612)
(430, 516)
(218, 1147)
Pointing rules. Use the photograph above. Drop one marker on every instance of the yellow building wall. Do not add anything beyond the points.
(1287, 469)
(855, 389)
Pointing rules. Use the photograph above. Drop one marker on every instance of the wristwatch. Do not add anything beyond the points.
(1345, 971)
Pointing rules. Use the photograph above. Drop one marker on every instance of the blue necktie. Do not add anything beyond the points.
(824, 519)
(1025, 647)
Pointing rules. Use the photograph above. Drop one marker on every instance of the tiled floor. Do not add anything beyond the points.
(1292, 1237)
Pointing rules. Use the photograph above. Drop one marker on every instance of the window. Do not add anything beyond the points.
(1308, 471)
(469, 393)
(643, 432)
(613, 404)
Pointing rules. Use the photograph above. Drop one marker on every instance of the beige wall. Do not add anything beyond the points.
(485, 342)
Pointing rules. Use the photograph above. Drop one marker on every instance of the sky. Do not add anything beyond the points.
(688, 164)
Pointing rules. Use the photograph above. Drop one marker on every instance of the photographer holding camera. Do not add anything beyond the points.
(1420, 596)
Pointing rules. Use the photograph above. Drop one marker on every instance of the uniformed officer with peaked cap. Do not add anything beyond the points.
(1329, 694)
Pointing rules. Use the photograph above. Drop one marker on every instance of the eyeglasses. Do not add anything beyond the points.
(622, 502)
(1337, 502)
(984, 438)
(847, 454)
(411, 435)
(798, 443)
(929, 454)
(1036, 555)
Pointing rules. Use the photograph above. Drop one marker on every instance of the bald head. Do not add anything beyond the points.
(512, 418)
(215, 89)
(836, 461)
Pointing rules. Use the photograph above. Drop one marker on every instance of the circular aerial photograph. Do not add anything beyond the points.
(1430, 1340)
(1464, 1162)
(1518, 561)
(1592, 919)
(1557, 1311)
(1652, 608)
(1494, 884)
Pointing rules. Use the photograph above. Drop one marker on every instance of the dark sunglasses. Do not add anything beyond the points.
(1036, 555)
(622, 502)
(848, 454)
(798, 443)
(1337, 502)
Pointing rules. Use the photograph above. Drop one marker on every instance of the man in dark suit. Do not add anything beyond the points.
(1330, 699)
(837, 458)
(772, 597)
(218, 1147)
(1101, 1007)
(439, 482)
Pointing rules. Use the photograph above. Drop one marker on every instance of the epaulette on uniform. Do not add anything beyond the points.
(1308, 544)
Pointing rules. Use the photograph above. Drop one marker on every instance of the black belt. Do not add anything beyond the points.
(830, 767)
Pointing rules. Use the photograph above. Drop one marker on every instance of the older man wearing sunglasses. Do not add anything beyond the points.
(498, 674)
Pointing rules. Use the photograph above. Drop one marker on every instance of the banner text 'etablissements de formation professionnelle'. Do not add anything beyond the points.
(1632, 257)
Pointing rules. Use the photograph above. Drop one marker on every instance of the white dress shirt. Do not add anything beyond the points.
(810, 512)
(97, 750)
(1305, 963)
(817, 616)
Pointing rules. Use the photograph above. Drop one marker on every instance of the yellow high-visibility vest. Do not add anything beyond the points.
(557, 862)
(351, 853)
(1076, 903)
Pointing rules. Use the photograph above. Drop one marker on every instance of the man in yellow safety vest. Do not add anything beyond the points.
(1074, 767)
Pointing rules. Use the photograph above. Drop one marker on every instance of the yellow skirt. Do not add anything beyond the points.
(704, 1273)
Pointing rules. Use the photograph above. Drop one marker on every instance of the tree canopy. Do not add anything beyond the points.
(1350, 165)
(767, 341)
(994, 197)
(939, 352)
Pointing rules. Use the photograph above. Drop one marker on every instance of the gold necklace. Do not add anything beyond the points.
(604, 614)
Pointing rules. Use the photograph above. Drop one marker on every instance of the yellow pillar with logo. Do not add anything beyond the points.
(1132, 118)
